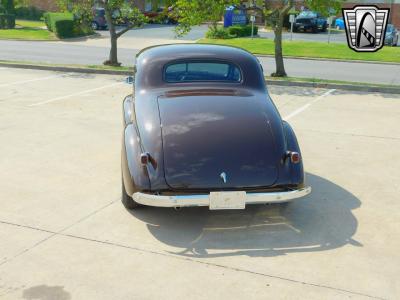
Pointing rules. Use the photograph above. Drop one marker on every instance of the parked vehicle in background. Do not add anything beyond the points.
(310, 21)
(339, 24)
(153, 15)
(391, 36)
(99, 19)
(162, 16)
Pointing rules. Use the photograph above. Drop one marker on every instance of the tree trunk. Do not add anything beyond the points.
(280, 67)
(113, 58)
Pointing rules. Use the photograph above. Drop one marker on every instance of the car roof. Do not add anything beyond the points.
(182, 51)
(151, 61)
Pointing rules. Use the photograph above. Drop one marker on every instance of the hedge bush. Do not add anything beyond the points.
(51, 18)
(64, 28)
(64, 25)
(7, 21)
(218, 33)
(242, 31)
(29, 13)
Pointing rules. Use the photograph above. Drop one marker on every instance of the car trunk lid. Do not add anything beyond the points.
(207, 133)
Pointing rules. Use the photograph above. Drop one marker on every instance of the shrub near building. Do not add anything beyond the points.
(65, 25)
(29, 13)
(7, 21)
(231, 32)
(242, 31)
(7, 14)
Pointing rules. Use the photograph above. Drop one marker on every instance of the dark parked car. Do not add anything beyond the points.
(310, 21)
(200, 129)
(99, 19)
(391, 36)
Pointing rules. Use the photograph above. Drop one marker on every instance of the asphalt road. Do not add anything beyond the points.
(65, 53)
(95, 51)
(64, 233)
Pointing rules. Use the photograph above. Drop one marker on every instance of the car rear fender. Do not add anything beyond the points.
(134, 174)
(295, 171)
(127, 110)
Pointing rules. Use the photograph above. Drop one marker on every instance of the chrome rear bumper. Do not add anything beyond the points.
(204, 199)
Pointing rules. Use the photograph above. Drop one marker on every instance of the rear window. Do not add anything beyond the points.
(202, 71)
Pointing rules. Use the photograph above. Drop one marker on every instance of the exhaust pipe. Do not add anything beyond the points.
(177, 208)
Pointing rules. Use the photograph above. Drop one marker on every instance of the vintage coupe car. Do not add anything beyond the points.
(200, 129)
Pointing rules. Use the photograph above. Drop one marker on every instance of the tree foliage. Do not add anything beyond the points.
(116, 11)
(195, 12)
(7, 6)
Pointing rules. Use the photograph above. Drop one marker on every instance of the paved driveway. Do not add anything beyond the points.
(65, 235)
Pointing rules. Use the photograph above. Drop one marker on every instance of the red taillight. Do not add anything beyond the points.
(295, 157)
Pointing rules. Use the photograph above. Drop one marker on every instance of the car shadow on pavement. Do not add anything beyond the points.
(318, 222)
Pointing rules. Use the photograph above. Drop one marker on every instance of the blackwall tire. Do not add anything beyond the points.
(127, 200)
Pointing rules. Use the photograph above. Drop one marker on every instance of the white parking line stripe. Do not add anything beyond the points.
(31, 80)
(76, 94)
(304, 107)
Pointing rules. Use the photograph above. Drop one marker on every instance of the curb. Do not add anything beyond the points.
(57, 39)
(65, 69)
(337, 86)
(333, 60)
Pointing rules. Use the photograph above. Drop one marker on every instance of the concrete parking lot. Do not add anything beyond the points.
(65, 235)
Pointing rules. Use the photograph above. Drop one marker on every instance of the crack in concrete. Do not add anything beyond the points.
(147, 251)
(353, 134)
(52, 233)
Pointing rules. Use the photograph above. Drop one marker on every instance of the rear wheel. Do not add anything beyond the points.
(127, 200)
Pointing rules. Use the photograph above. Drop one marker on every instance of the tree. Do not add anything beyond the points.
(129, 14)
(119, 11)
(277, 17)
(195, 12)
(8, 6)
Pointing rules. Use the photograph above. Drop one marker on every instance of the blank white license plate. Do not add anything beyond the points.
(227, 200)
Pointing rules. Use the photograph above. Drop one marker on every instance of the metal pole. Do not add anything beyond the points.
(252, 28)
(329, 29)
(291, 31)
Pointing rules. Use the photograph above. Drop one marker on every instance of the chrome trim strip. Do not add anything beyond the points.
(203, 200)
